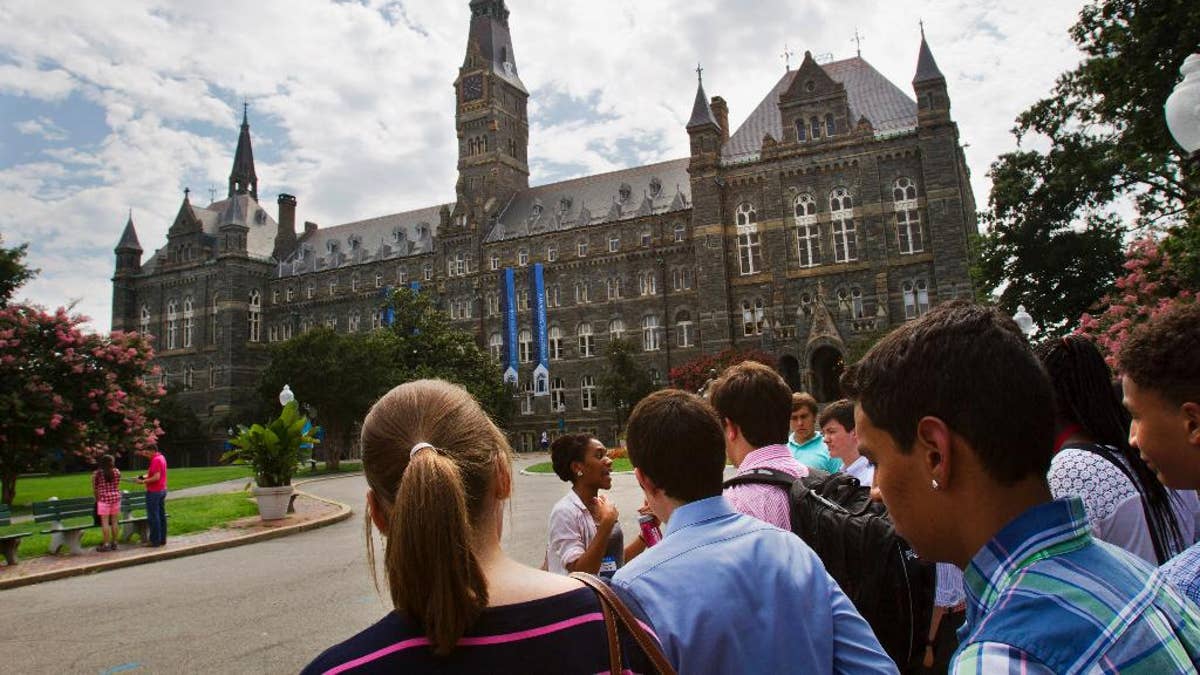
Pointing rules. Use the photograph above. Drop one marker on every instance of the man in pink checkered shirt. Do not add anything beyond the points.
(755, 404)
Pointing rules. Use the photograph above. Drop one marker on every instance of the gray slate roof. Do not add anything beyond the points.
(702, 113)
(604, 198)
(129, 240)
(869, 93)
(393, 236)
(242, 208)
(927, 68)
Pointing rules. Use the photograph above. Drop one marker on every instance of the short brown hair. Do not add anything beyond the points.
(971, 367)
(675, 438)
(1164, 355)
(755, 398)
(841, 412)
(803, 399)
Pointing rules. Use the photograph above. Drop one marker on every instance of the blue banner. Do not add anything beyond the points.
(541, 373)
(508, 294)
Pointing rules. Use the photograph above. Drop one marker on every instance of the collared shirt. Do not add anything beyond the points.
(728, 593)
(766, 502)
(863, 470)
(949, 590)
(814, 454)
(1183, 572)
(571, 530)
(108, 492)
(1043, 596)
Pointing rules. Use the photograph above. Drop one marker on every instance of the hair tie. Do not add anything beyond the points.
(419, 447)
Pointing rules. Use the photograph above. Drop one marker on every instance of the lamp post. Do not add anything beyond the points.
(1024, 321)
(286, 396)
(1182, 111)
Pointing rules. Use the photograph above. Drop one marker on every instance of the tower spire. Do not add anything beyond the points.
(702, 113)
(927, 68)
(243, 179)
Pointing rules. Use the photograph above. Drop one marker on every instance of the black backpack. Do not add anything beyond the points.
(854, 537)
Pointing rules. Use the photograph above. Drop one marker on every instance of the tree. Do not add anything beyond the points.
(625, 382)
(179, 423)
(338, 375)
(1054, 239)
(692, 375)
(13, 271)
(63, 389)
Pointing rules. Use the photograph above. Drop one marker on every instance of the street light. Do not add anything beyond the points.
(1183, 107)
(1024, 321)
(286, 396)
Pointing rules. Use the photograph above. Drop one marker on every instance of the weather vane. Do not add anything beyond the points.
(858, 40)
(787, 58)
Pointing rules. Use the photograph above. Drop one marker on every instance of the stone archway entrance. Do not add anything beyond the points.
(826, 368)
(789, 368)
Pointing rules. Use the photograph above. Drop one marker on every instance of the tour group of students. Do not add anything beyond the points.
(961, 422)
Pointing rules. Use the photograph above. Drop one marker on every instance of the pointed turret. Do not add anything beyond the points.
(702, 114)
(129, 250)
(703, 128)
(933, 101)
(243, 179)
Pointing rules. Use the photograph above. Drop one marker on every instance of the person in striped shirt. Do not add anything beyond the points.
(958, 417)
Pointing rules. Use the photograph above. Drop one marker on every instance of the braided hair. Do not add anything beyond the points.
(1084, 395)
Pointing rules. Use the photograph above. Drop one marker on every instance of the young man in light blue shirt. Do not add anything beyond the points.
(805, 441)
(728, 593)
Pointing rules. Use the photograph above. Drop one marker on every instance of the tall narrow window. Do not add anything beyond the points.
(558, 394)
(212, 320)
(189, 375)
(353, 283)
(684, 328)
(808, 233)
(255, 315)
(172, 324)
(525, 346)
(378, 280)
(587, 390)
(908, 219)
(614, 243)
(749, 247)
(581, 292)
(814, 126)
(586, 340)
(522, 257)
(352, 322)
(145, 320)
(554, 336)
(829, 125)
(527, 397)
(916, 298)
(679, 232)
(616, 329)
(801, 131)
(845, 241)
(189, 321)
(752, 317)
(494, 262)
(581, 248)
(651, 335)
(648, 283)
(612, 288)
(496, 346)
(553, 297)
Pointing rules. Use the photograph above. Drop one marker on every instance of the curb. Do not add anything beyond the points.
(551, 474)
(253, 537)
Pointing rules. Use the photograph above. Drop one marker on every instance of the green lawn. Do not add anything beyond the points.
(190, 514)
(39, 489)
(621, 464)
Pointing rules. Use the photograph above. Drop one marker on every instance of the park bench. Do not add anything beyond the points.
(10, 542)
(130, 524)
(55, 511)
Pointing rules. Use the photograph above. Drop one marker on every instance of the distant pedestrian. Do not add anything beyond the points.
(1160, 366)
(106, 486)
(545, 441)
(805, 442)
(1125, 503)
(155, 480)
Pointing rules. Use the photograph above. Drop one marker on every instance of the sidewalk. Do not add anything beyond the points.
(311, 512)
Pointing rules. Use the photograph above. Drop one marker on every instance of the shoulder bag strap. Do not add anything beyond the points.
(762, 476)
(614, 640)
(609, 599)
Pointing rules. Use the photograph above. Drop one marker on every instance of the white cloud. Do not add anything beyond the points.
(361, 99)
(44, 127)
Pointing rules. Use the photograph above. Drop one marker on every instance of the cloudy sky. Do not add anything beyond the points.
(112, 106)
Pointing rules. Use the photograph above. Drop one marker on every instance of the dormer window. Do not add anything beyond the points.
(625, 192)
(423, 230)
(355, 242)
(536, 210)
(332, 247)
(655, 187)
(564, 205)
(398, 234)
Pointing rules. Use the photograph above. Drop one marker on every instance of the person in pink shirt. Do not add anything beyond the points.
(155, 480)
(755, 404)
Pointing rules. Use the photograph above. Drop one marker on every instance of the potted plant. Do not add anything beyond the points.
(274, 452)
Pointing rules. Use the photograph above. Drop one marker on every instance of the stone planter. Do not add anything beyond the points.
(273, 501)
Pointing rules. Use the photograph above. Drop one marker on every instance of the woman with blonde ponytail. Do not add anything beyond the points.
(438, 473)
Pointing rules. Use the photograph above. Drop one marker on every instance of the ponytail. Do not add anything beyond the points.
(433, 572)
(108, 465)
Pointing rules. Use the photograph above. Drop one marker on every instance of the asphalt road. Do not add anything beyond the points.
(268, 607)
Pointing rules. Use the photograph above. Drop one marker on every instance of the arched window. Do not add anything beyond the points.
(172, 324)
(916, 298)
(212, 320)
(684, 328)
(801, 131)
(353, 321)
(680, 231)
(752, 317)
(527, 397)
(587, 390)
(908, 218)
(189, 321)
(808, 233)
(616, 329)
(145, 320)
(829, 125)
(814, 126)
(681, 279)
(558, 395)
(525, 346)
(554, 337)
(845, 240)
(651, 335)
(586, 340)
(749, 247)
(851, 300)
(255, 315)
(496, 346)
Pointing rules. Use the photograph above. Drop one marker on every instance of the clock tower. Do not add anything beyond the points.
(490, 118)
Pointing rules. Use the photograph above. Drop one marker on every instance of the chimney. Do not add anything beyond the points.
(309, 227)
(721, 111)
(285, 237)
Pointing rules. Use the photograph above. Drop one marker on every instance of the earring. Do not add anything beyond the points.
(578, 473)
(935, 484)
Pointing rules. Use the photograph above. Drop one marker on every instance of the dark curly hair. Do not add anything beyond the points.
(567, 449)
(1164, 355)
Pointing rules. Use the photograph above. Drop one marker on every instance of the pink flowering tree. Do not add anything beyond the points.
(62, 388)
(1150, 286)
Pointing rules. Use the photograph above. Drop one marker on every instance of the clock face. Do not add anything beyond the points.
(472, 87)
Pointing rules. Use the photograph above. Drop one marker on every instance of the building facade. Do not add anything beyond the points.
(840, 208)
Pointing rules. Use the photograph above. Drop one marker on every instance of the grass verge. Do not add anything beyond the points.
(187, 515)
(621, 464)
